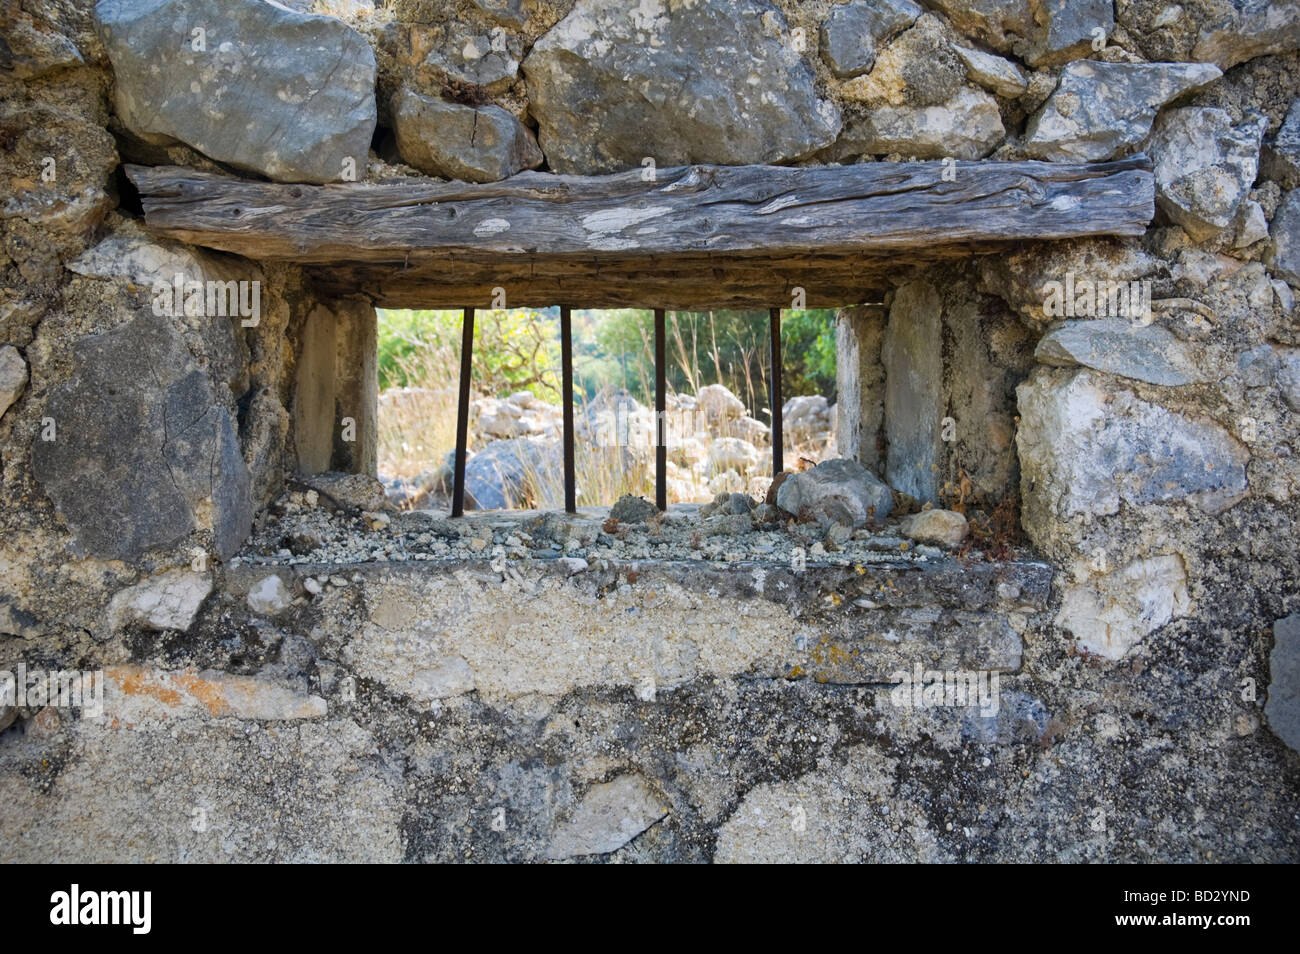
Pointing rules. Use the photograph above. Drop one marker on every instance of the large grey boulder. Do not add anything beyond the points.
(472, 143)
(853, 32)
(716, 81)
(288, 95)
(144, 442)
(499, 476)
(1285, 259)
(1099, 109)
(1280, 159)
(836, 491)
(1142, 352)
(1283, 706)
(1252, 28)
(1204, 166)
(967, 126)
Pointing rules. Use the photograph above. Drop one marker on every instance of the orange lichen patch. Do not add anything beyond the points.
(136, 681)
(138, 694)
(210, 695)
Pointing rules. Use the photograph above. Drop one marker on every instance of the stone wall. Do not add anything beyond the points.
(580, 694)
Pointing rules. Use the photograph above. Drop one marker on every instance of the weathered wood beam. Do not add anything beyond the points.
(682, 283)
(723, 227)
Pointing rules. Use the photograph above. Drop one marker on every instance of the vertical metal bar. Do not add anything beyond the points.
(661, 424)
(566, 373)
(462, 413)
(778, 437)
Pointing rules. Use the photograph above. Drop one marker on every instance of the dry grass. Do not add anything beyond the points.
(417, 426)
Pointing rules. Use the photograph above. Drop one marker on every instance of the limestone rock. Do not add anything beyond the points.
(509, 13)
(806, 418)
(442, 678)
(1283, 706)
(1110, 614)
(732, 505)
(1285, 231)
(32, 46)
(290, 96)
(1063, 30)
(717, 81)
(1020, 718)
(836, 491)
(993, 72)
(1141, 352)
(169, 600)
(16, 621)
(632, 509)
(1280, 159)
(1254, 28)
(477, 61)
(853, 32)
(919, 68)
(354, 491)
(998, 23)
(474, 144)
(13, 377)
(718, 404)
(1252, 224)
(269, 595)
(132, 468)
(944, 527)
(43, 135)
(573, 565)
(610, 815)
(968, 126)
(1099, 109)
(732, 453)
(1288, 378)
(500, 475)
(912, 356)
(1087, 445)
(134, 695)
(1022, 277)
(1204, 166)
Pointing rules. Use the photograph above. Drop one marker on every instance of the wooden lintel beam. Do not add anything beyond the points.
(688, 209)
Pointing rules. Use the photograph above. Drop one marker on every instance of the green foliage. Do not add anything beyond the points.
(520, 349)
(729, 347)
(514, 350)
(808, 346)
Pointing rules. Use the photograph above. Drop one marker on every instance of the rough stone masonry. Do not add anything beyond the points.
(294, 672)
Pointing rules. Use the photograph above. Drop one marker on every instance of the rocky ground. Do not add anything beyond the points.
(714, 445)
(828, 516)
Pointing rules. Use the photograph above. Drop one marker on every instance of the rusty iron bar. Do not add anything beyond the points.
(778, 438)
(661, 423)
(462, 413)
(566, 373)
